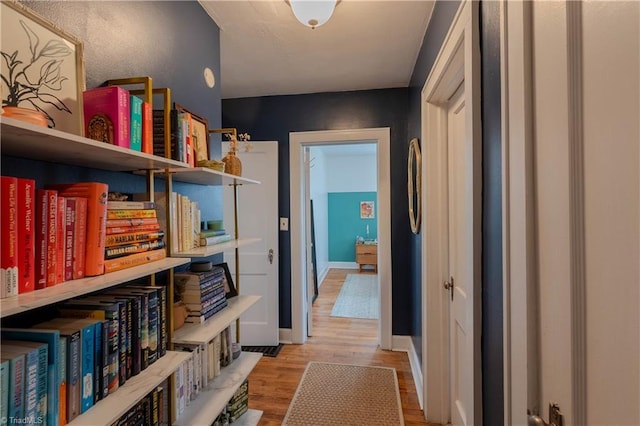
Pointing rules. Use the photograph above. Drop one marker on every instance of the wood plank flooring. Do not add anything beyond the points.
(273, 381)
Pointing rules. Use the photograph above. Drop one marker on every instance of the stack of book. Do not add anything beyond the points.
(148, 412)
(239, 402)
(133, 235)
(202, 292)
(210, 237)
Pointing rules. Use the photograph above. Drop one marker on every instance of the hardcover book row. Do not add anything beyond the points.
(60, 368)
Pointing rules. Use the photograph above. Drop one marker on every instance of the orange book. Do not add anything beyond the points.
(79, 238)
(96, 195)
(61, 227)
(131, 214)
(134, 237)
(147, 128)
(131, 222)
(129, 229)
(132, 260)
(46, 249)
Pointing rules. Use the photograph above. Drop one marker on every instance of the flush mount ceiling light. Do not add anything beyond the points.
(313, 13)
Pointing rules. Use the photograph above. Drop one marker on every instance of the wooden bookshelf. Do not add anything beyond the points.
(203, 333)
(210, 402)
(110, 409)
(69, 289)
(216, 248)
(20, 139)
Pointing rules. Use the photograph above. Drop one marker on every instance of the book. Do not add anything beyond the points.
(131, 214)
(212, 233)
(15, 397)
(129, 261)
(69, 224)
(79, 237)
(107, 114)
(35, 390)
(4, 389)
(209, 241)
(26, 235)
(131, 222)
(46, 253)
(135, 106)
(153, 315)
(130, 205)
(96, 194)
(9, 241)
(61, 230)
(129, 229)
(54, 380)
(133, 325)
(147, 128)
(163, 320)
(62, 412)
(124, 250)
(133, 237)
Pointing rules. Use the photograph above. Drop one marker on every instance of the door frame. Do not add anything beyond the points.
(458, 62)
(297, 142)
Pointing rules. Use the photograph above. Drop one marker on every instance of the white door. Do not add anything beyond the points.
(460, 283)
(585, 75)
(258, 218)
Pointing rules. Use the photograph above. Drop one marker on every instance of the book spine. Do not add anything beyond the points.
(16, 387)
(105, 362)
(147, 128)
(101, 329)
(79, 238)
(131, 214)
(119, 251)
(111, 223)
(209, 241)
(52, 239)
(9, 228)
(88, 348)
(96, 194)
(74, 368)
(107, 114)
(144, 331)
(113, 351)
(69, 224)
(61, 229)
(43, 371)
(130, 229)
(112, 265)
(154, 323)
(164, 337)
(26, 235)
(135, 104)
(122, 343)
(42, 210)
(129, 323)
(31, 386)
(130, 205)
(4, 389)
(64, 374)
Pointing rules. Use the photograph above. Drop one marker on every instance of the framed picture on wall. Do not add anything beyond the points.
(229, 287)
(367, 210)
(42, 68)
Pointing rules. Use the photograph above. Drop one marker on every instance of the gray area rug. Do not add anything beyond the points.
(358, 297)
(342, 394)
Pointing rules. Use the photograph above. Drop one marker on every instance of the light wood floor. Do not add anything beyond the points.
(273, 382)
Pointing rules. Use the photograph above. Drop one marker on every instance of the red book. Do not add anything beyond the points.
(96, 194)
(9, 229)
(107, 114)
(46, 251)
(147, 128)
(69, 224)
(26, 234)
(61, 228)
(79, 238)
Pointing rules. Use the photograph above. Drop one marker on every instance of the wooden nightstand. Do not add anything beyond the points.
(367, 254)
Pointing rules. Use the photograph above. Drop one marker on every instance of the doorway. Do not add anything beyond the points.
(301, 306)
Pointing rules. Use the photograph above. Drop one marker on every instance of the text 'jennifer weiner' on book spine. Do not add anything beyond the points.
(9, 228)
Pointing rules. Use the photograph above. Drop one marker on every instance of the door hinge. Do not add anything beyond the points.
(555, 417)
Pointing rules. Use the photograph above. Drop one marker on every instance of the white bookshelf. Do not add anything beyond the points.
(21, 139)
(206, 176)
(210, 402)
(110, 409)
(216, 248)
(203, 333)
(69, 289)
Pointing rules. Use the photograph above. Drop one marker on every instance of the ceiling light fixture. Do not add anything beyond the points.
(313, 13)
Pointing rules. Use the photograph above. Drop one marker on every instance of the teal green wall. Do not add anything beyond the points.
(345, 223)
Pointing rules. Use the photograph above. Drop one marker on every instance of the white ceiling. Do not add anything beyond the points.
(365, 45)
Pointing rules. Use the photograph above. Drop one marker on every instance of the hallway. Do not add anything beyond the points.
(273, 382)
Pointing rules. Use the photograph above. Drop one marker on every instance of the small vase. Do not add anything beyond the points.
(232, 164)
(25, 114)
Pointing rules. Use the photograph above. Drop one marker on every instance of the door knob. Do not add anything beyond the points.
(270, 255)
(449, 285)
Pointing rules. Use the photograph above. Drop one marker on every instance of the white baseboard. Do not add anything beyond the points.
(322, 275)
(405, 344)
(343, 265)
(284, 335)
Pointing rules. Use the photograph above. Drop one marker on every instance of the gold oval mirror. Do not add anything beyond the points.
(414, 176)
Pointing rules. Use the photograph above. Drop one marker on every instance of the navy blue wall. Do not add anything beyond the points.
(273, 117)
(170, 41)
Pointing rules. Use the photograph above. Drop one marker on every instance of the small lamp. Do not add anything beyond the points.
(313, 13)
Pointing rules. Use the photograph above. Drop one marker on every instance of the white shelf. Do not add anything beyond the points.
(20, 139)
(206, 176)
(202, 333)
(110, 409)
(211, 401)
(216, 248)
(250, 418)
(69, 289)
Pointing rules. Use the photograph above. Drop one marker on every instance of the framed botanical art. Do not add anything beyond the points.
(42, 67)
(367, 210)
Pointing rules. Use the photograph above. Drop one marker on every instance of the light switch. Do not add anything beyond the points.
(284, 223)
